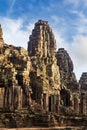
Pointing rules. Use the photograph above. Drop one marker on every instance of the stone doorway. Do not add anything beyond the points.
(65, 98)
(50, 103)
(44, 101)
(24, 101)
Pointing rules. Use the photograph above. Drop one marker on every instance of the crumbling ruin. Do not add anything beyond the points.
(42, 50)
(14, 76)
(40, 80)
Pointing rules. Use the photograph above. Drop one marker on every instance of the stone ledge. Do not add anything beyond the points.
(50, 128)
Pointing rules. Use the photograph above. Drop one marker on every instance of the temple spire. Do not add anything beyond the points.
(1, 33)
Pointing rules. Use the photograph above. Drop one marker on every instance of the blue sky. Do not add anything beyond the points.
(67, 18)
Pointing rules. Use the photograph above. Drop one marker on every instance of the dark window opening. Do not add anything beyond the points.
(65, 98)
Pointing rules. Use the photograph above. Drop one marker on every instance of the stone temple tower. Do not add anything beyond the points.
(1, 33)
(45, 72)
(42, 40)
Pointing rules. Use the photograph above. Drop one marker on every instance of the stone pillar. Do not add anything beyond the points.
(15, 97)
(76, 104)
(1, 97)
(47, 102)
(44, 101)
(4, 104)
(10, 96)
(13, 86)
(72, 101)
(52, 103)
(55, 103)
(86, 103)
(29, 98)
(19, 98)
(7, 97)
(83, 103)
(58, 104)
(42, 104)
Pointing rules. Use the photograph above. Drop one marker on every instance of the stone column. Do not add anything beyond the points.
(47, 102)
(52, 103)
(72, 101)
(86, 103)
(10, 96)
(7, 95)
(1, 97)
(19, 98)
(76, 104)
(13, 86)
(58, 103)
(5, 98)
(44, 101)
(83, 103)
(29, 98)
(55, 103)
(41, 100)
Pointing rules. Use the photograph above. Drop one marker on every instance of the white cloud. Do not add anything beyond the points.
(13, 32)
(55, 19)
(75, 3)
(79, 54)
(82, 23)
(79, 47)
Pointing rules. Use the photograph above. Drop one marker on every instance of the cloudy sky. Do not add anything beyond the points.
(67, 18)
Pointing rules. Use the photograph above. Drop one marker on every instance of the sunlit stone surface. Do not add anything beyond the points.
(38, 87)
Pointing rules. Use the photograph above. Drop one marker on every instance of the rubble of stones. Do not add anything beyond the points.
(40, 79)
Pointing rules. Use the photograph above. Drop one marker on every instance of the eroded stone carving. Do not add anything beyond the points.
(45, 73)
(83, 88)
(41, 81)
(14, 69)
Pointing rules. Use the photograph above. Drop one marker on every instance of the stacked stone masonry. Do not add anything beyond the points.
(40, 76)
